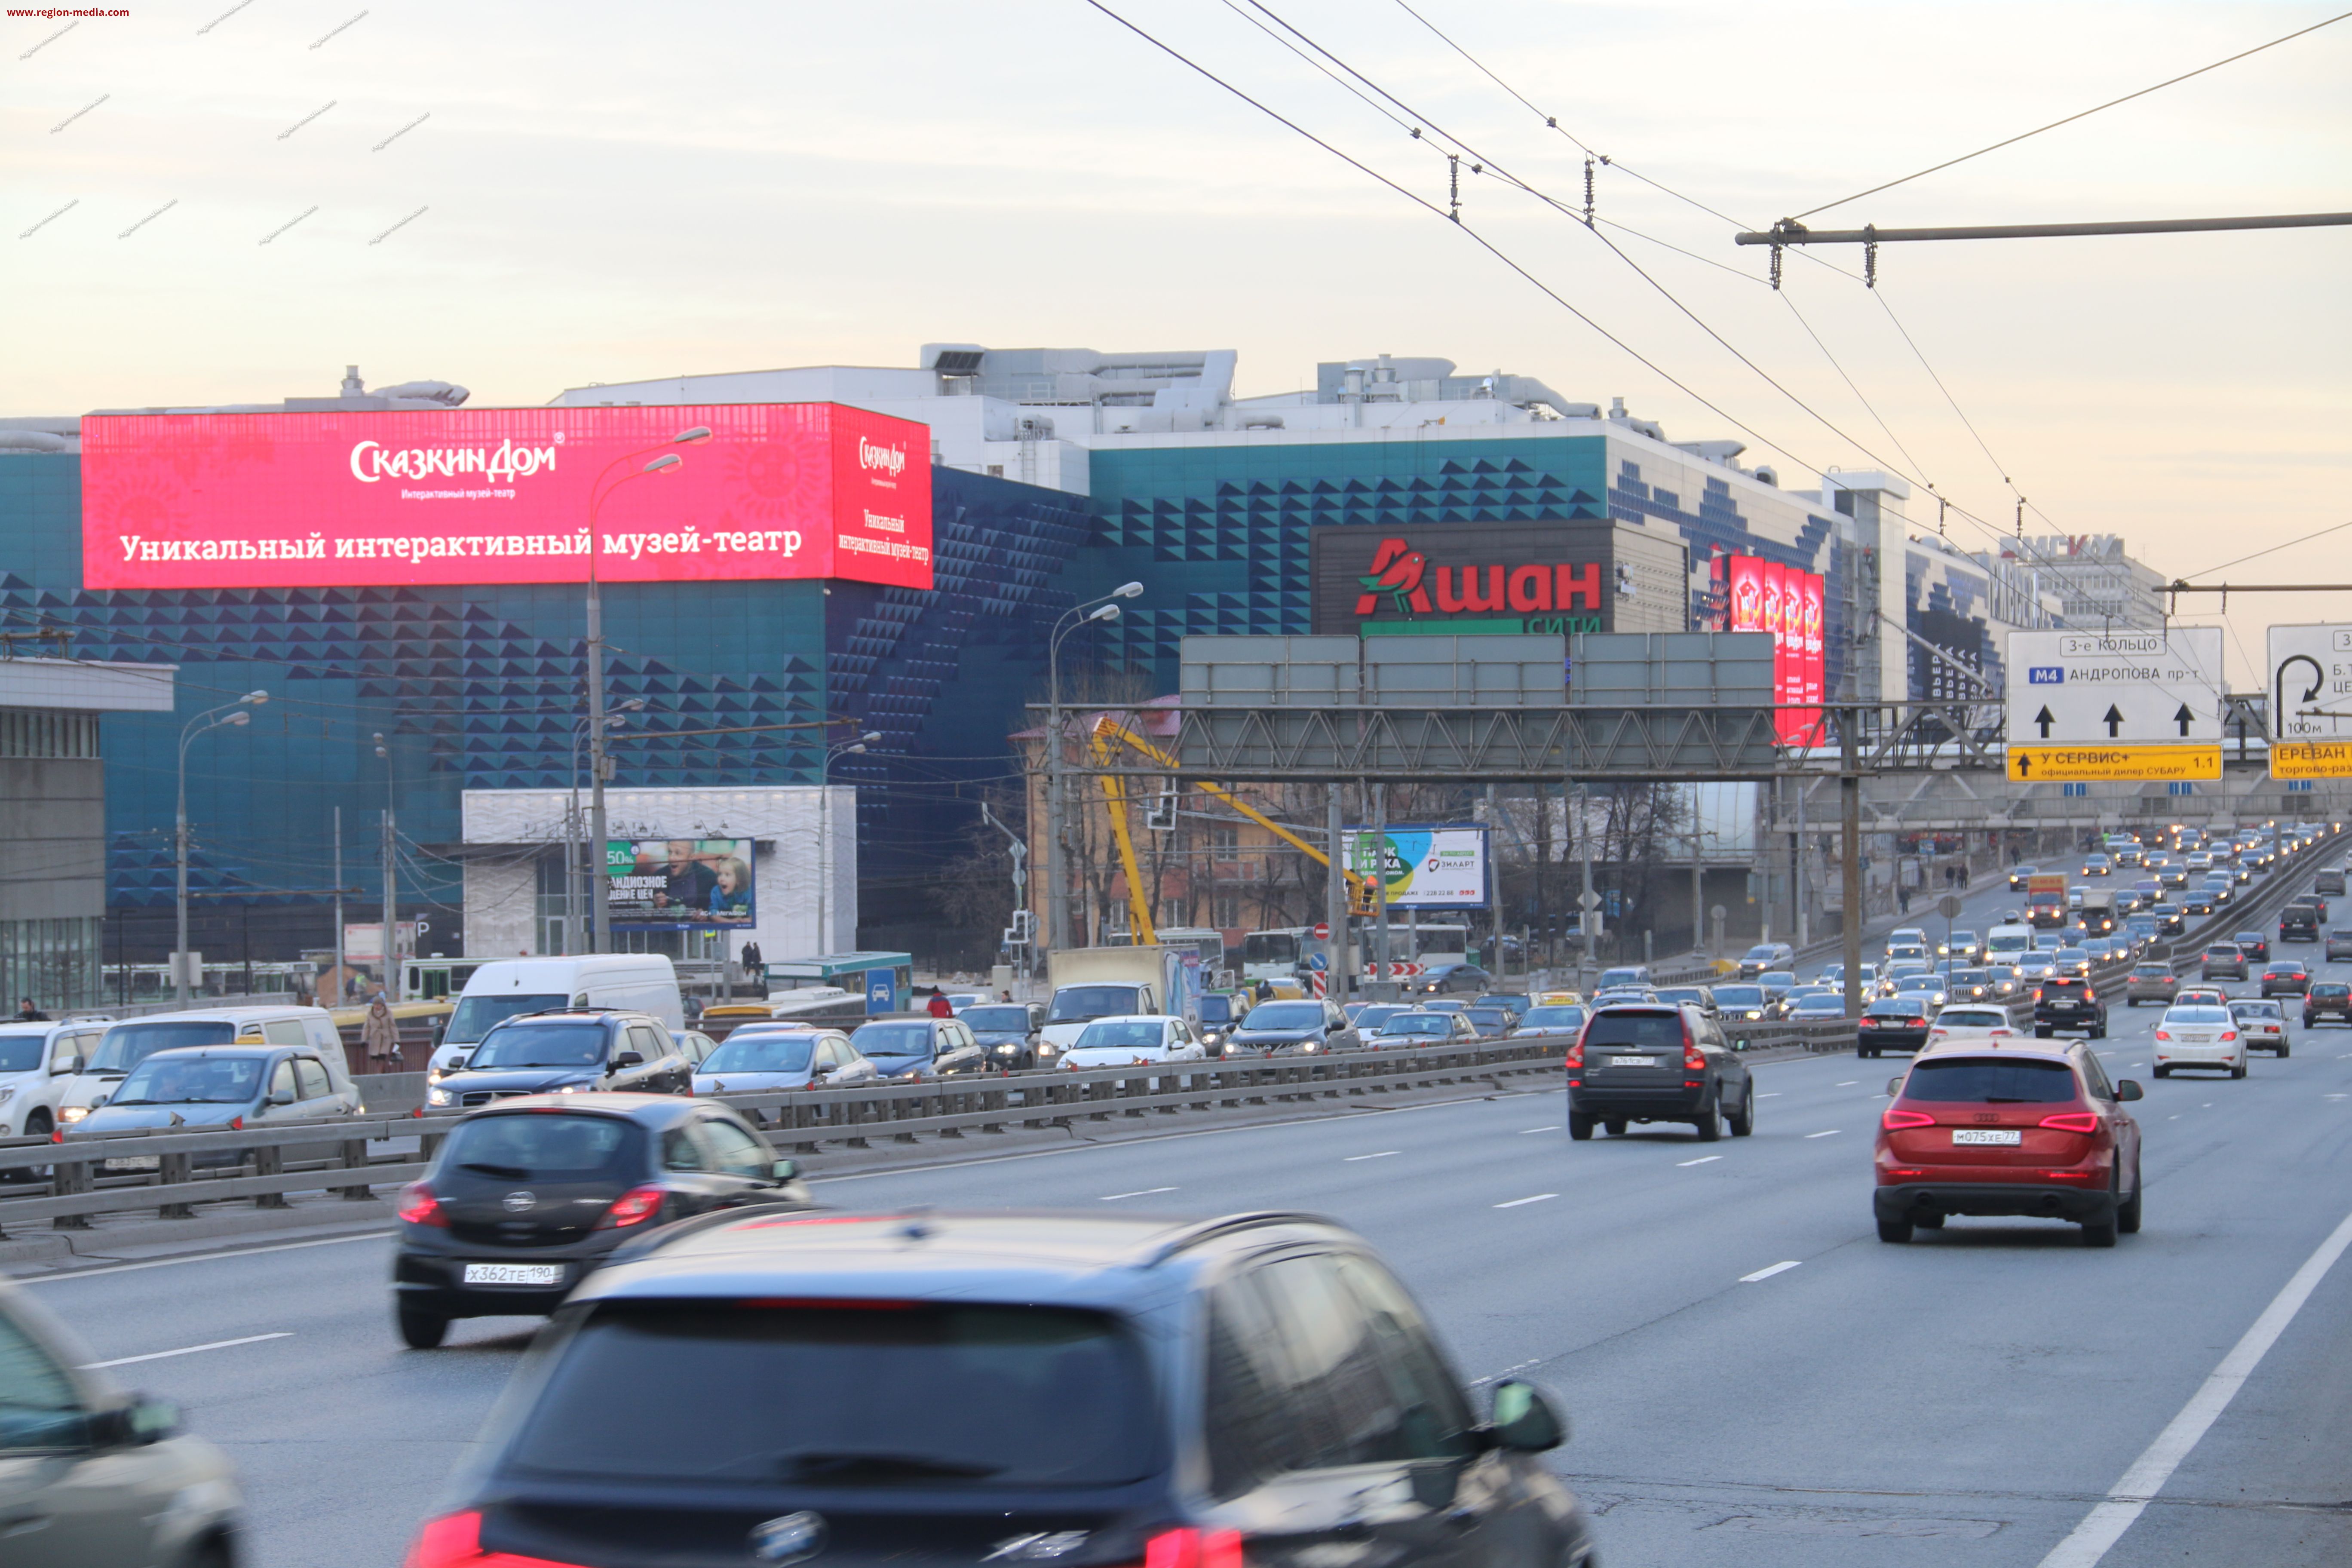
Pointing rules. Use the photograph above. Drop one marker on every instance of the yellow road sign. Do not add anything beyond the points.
(2311, 758)
(2070, 765)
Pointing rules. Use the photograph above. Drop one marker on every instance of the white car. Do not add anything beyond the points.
(1136, 1039)
(1967, 1023)
(2263, 1025)
(2200, 1035)
(37, 1064)
(1906, 936)
(759, 1059)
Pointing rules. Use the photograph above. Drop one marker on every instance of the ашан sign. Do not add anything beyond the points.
(1533, 577)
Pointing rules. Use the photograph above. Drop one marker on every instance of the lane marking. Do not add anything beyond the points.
(2331, 1097)
(1515, 1202)
(1703, 1158)
(1525, 1131)
(1830, 1133)
(1138, 1192)
(1773, 1094)
(199, 1257)
(1846, 1083)
(2107, 1520)
(1765, 1273)
(1381, 1155)
(185, 1350)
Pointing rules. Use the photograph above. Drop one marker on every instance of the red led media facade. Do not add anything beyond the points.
(1765, 596)
(502, 495)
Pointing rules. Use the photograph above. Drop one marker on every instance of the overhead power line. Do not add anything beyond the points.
(2082, 114)
(1789, 231)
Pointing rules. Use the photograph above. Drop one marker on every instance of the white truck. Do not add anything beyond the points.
(1092, 983)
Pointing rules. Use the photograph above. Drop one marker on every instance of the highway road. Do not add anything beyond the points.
(1753, 1377)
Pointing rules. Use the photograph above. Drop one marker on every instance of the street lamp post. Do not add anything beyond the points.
(200, 724)
(599, 764)
(581, 880)
(825, 829)
(390, 985)
(1057, 892)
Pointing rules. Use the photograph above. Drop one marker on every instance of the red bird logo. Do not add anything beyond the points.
(1396, 571)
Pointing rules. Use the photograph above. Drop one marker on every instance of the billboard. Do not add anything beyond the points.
(1788, 601)
(1428, 866)
(1541, 577)
(680, 884)
(503, 495)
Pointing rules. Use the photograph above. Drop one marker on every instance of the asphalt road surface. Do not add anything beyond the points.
(1753, 1377)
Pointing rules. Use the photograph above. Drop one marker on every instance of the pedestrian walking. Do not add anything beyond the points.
(940, 1006)
(380, 1033)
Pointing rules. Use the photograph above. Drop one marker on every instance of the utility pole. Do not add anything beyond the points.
(1335, 896)
(390, 882)
(1380, 874)
(1797, 867)
(600, 914)
(1850, 824)
(339, 904)
(1590, 927)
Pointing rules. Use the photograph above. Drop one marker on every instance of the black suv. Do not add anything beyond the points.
(2298, 922)
(568, 1051)
(1657, 1062)
(1016, 1389)
(525, 1199)
(2068, 1003)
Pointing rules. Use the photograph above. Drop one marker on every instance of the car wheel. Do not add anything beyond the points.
(1745, 1122)
(421, 1330)
(2128, 1212)
(1894, 1230)
(2238, 1071)
(2101, 1232)
(2284, 1050)
(2164, 1072)
(1710, 1124)
(1615, 1126)
(1929, 1222)
(1579, 1127)
(2131, 1001)
(2041, 1032)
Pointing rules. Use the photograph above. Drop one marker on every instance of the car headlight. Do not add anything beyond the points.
(6, 1093)
(439, 1096)
(434, 1076)
(1005, 1051)
(73, 1113)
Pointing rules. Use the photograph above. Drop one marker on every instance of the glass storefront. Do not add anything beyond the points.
(57, 962)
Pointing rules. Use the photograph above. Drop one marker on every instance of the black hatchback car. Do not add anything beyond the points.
(1642, 1062)
(526, 1198)
(568, 1051)
(1014, 1388)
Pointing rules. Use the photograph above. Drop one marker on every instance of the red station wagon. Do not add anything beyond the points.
(1981, 1127)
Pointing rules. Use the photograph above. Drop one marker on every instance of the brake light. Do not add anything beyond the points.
(1575, 1062)
(1193, 1548)
(1896, 1120)
(2037, 993)
(417, 1205)
(454, 1541)
(2229, 1033)
(1693, 1060)
(2074, 1122)
(632, 1208)
(2164, 1034)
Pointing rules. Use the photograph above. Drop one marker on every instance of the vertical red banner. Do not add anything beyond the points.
(1783, 618)
(1816, 666)
(1747, 593)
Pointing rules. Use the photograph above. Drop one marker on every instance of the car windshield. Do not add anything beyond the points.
(1892, 1007)
(1829, 1007)
(1284, 1015)
(1377, 1016)
(1552, 1018)
(192, 1080)
(128, 1045)
(1972, 1018)
(1489, 1017)
(1630, 976)
(1080, 1003)
(2331, 988)
(1215, 1008)
(1689, 994)
(2152, 972)
(476, 1016)
(528, 1045)
(2254, 1010)
(1418, 1024)
(761, 1053)
(919, 1395)
(1003, 1020)
(1919, 982)
(1630, 1027)
(892, 1039)
(1125, 1035)
(1740, 996)
(1969, 976)
(22, 1053)
(521, 1146)
(1989, 1080)
(2198, 1015)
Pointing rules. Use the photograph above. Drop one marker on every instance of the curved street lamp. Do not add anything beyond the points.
(202, 723)
(1057, 900)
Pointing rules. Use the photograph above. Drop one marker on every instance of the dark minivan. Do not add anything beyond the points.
(952, 1389)
(524, 1200)
(1638, 1062)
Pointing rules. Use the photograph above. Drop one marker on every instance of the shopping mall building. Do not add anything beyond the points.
(393, 564)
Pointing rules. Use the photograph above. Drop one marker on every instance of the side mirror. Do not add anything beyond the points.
(281, 1097)
(1525, 1421)
(99, 1103)
(1894, 1084)
(137, 1421)
(2129, 1089)
(785, 1170)
(65, 1065)
(629, 1059)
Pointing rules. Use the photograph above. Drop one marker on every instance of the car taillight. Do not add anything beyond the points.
(2074, 1122)
(2164, 1034)
(2229, 1033)
(1896, 1120)
(2037, 993)
(1694, 1059)
(454, 1541)
(1193, 1548)
(632, 1208)
(1575, 1062)
(417, 1205)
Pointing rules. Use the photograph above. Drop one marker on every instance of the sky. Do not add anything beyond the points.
(524, 197)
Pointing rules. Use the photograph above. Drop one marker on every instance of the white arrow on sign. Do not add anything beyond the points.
(2311, 682)
(2087, 687)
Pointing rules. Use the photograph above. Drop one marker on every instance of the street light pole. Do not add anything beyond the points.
(391, 986)
(581, 882)
(202, 723)
(1057, 892)
(824, 830)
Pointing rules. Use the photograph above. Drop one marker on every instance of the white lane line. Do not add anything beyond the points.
(2331, 1097)
(186, 1350)
(1830, 1133)
(1381, 1155)
(1765, 1273)
(2107, 1520)
(1515, 1202)
(200, 1257)
(1773, 1094)
(1845, 1083)
(1525, 1131)
(1703, 1158)
(1138, 1192)
(2174, 1117)
(1497, 1376)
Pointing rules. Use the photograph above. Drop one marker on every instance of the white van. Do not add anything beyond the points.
(2007, 943)
(37, 1064)
(132, 1040)
(640, 982)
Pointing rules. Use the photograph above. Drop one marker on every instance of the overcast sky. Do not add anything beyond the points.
(618, 191)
